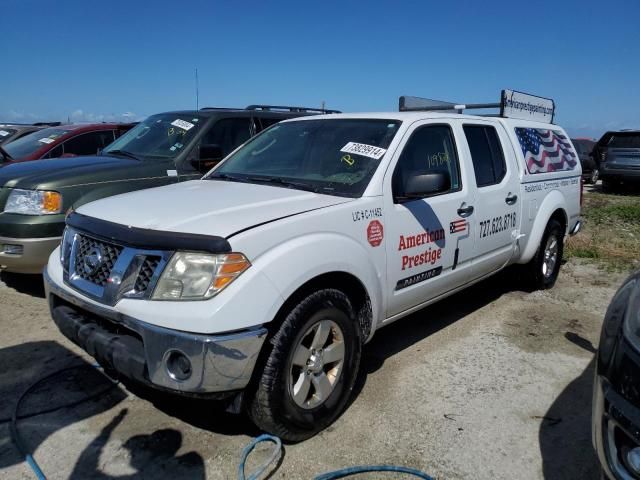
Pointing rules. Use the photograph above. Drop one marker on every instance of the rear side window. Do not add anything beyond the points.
(229, 133)
(430, 149)
(265, 122)
(486, 154)
(546, 150)
(624, 140)
(88, 143)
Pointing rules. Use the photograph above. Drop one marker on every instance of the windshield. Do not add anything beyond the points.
(332, 156)
(27, 145)
(159, 136)
(5, 133)
(624, 140)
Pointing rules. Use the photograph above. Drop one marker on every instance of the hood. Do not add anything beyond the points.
(207, 207)
(62, 172)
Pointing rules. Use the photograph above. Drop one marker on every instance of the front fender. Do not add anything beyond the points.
(299, 260)
(553, 201)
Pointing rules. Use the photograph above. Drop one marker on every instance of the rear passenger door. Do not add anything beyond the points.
(428, 241)
(497, 205)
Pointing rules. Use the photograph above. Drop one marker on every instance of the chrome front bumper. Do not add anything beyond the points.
(146, 353)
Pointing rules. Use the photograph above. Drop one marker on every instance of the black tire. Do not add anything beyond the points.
(608, 185)
(535, 270)
(272, 406)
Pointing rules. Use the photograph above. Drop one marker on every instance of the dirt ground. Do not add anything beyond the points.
(494, 382)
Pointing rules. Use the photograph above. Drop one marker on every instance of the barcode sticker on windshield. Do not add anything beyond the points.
(3, 133)
(47, 140)
(364, 150)
(182, 124)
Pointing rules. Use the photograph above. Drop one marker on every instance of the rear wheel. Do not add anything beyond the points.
(543, 269)
(595, 175)
(311, 368)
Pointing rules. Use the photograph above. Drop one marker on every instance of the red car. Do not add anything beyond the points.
(62, 141)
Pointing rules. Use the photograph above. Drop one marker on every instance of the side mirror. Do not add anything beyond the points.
(420, 186)
(209, 156)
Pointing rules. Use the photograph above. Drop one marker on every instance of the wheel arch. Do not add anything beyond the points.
(552, 207)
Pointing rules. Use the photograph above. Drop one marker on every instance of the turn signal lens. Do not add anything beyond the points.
(52, 202)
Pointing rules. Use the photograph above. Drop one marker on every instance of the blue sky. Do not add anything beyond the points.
(89, 60)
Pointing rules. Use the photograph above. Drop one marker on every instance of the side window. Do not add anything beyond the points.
(486, 154)
(55, 153)
(228, 134)
(88, 143)
(265, 122)
(431, 149)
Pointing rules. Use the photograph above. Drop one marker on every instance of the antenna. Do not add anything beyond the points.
(197, 92)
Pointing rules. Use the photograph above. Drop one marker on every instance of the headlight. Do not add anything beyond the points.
(33, 202)
(198, 276)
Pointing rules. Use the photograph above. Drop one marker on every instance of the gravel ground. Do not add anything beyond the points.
(492, 383)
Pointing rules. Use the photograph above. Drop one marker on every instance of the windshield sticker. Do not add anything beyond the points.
(173, 148)
(375, 233)
(348, 159)
(3, 133)
(178, 145)
(364, 150)
(46, 140)
(183, 124)
(195, 120)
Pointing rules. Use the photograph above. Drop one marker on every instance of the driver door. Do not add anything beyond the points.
(430, 245)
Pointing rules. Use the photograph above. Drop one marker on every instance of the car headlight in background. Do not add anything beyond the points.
(33, 202)
(198, 276)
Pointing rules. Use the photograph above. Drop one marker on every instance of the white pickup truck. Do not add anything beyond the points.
(260, 282)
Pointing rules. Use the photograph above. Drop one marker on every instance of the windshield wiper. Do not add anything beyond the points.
(5, 155)
(122, 153)
(284, 183)
(226, 176)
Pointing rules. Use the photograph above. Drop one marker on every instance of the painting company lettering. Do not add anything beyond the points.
(430, 255)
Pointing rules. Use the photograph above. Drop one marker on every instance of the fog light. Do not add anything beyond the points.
(633, 460)
(10, 249)
(178, 365)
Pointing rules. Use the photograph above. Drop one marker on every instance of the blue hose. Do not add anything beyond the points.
(246, 451)
(347, 472)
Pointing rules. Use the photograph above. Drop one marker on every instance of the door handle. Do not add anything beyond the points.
(511, 198)
(465, 210)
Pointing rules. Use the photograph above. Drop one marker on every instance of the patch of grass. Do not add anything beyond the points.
(611, 231)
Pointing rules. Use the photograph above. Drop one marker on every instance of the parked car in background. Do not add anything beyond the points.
(63, 141)
(616, 395)
(584, 147)
(163, 149)
(10, 132)
(618, 155)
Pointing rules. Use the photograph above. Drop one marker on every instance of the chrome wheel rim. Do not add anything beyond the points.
(316, 364)
(595, 175)
(550, 256)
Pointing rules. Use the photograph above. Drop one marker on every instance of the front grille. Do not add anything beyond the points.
(108, 253)
(147, 270)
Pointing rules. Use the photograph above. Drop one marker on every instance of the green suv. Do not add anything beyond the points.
(163, 149)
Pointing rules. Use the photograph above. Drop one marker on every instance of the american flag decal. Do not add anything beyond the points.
(546, 150)
(458, 226)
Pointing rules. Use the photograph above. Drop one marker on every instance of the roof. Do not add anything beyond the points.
(411, 117)
(73, 127)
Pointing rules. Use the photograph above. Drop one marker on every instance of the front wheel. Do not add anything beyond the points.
(311, 368)
(544, 267)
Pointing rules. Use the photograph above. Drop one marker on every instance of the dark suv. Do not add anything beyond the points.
(618, 155)
(165, 148)
(584, 147)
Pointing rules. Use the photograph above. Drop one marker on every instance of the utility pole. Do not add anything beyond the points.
(322, 105)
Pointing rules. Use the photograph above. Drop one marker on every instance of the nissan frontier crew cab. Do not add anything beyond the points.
(261, 282)
(163, 149)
